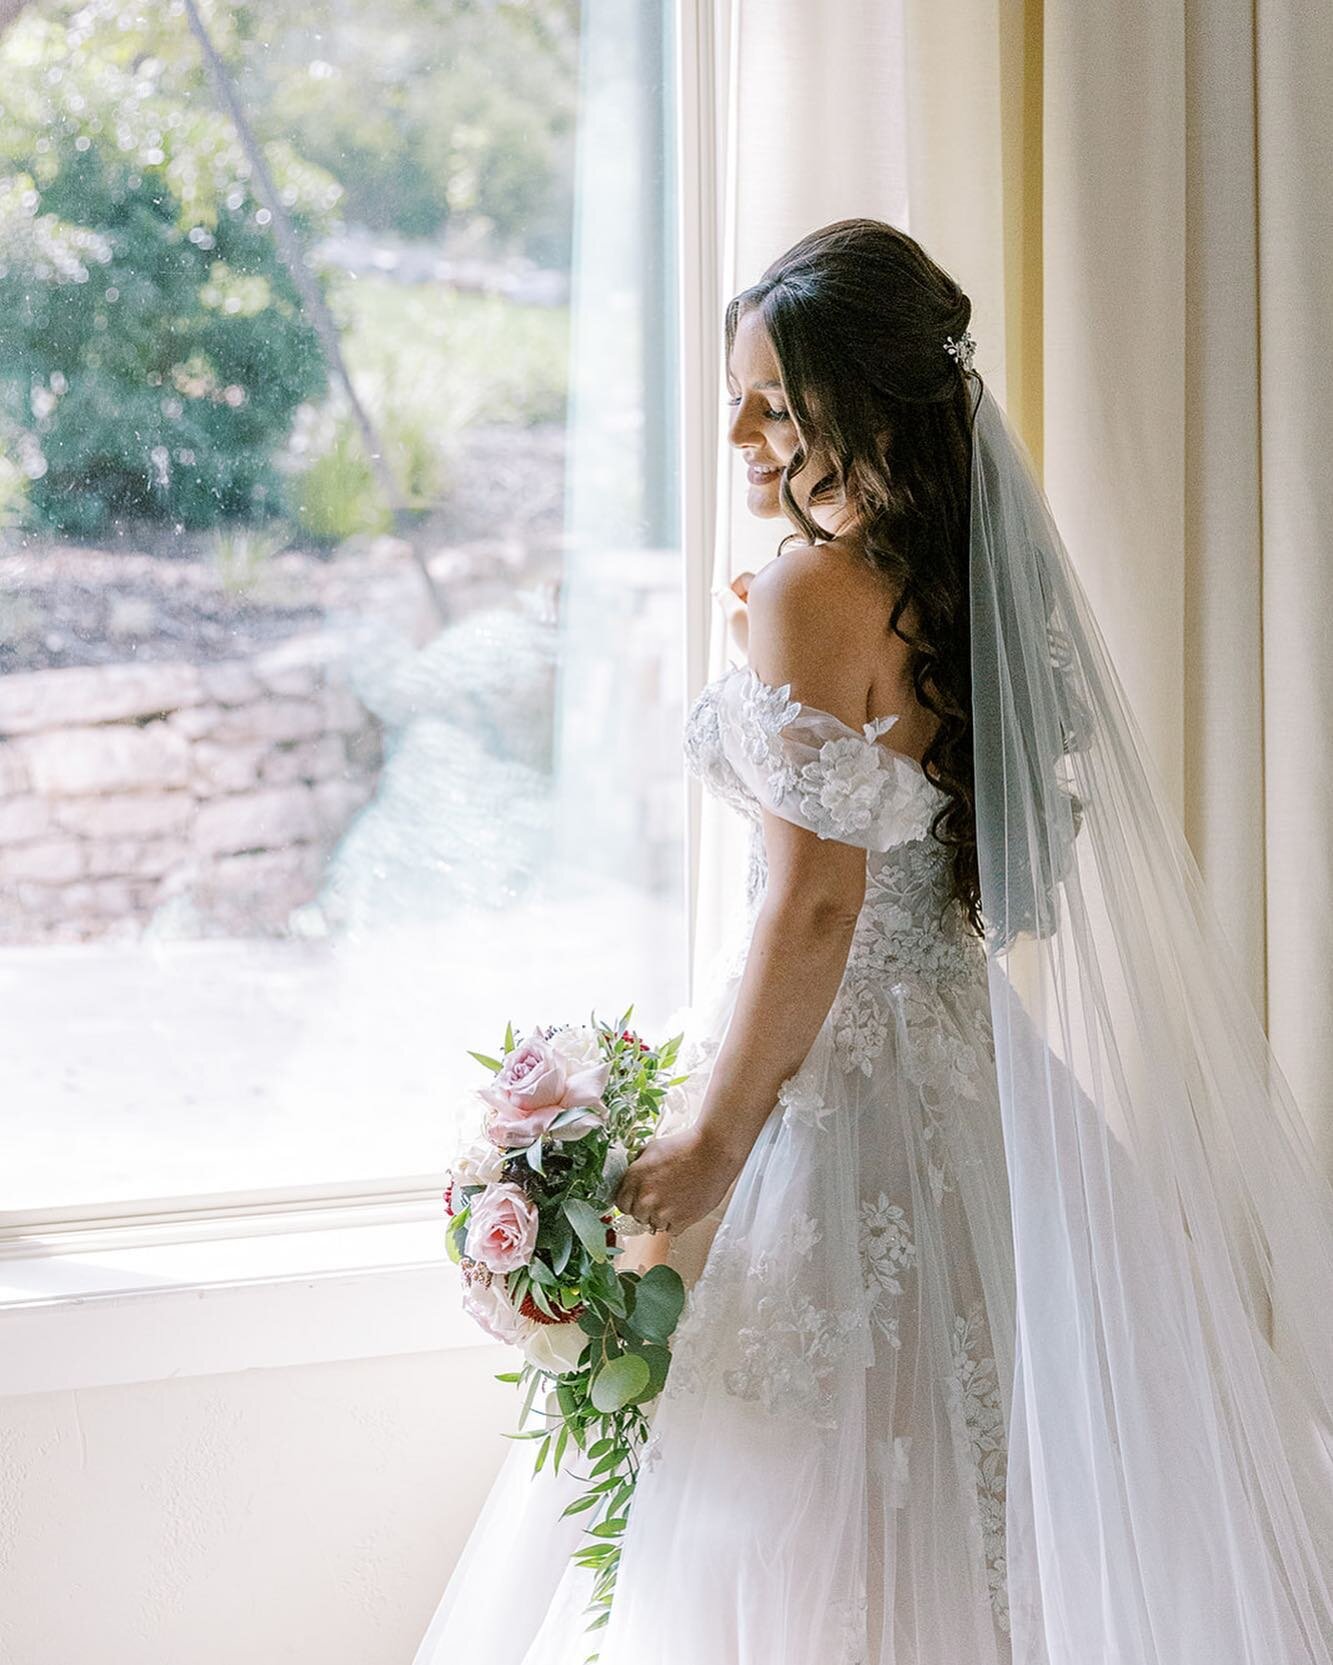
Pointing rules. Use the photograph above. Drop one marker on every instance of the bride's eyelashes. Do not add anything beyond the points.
(772, 415)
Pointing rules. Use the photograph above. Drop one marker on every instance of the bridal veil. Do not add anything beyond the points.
(1170, 1496)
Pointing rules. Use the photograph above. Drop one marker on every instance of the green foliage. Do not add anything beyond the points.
(627, 1317)
(432, 117)
(242, 553)
(13, 495)
(445, 359)
(152, 346)
(338, 496)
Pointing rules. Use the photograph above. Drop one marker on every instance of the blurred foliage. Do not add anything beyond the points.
(242, 554)
(453, 358)
(153, 350)
(338, 496)
(433, 117)
(152, 346)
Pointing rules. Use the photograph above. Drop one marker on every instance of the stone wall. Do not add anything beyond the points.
(201, 797)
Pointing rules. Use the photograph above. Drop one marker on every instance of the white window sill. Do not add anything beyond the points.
(101, 1316)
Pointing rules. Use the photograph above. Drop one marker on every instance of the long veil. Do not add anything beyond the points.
(1170, 1485)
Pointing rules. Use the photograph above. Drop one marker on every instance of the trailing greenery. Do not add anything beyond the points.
(597, 1407)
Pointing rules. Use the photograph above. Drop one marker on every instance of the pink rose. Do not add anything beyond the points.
(533, 1087)
(502, 1228)
(485, 1298)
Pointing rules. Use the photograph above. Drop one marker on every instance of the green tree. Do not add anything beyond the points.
(152, 346)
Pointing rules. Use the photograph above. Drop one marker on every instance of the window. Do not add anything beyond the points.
(341, 659)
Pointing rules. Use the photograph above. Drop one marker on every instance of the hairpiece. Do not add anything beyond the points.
(961, 350)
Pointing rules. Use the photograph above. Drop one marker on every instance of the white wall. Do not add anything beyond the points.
(306, 1513)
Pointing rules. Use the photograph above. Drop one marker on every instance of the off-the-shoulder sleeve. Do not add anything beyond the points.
(812, 769)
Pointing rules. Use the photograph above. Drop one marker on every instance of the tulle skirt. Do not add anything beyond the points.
(824, 1482)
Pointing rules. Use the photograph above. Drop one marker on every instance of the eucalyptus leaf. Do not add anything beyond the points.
(619, 1381)
(490, 1063)
(540, 1296)
(658, 1299)
(658, 1359)
(588, 1223)
(561, 1241)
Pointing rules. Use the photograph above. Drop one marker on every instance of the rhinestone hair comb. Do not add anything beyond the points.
(961, 350)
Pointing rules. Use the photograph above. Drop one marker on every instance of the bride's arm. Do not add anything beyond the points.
(803, 632)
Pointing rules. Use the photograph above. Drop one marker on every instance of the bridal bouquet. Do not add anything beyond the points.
(533, 1230)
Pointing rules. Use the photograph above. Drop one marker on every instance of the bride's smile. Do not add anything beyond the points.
(764, 431)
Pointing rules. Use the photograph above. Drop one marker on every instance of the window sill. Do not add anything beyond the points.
(104, 1316)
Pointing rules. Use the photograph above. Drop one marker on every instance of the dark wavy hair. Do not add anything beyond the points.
(857, 314)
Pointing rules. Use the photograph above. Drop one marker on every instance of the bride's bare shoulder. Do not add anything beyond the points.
(831, 588)
(815, 618)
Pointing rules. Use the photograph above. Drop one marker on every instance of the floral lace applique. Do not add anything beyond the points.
(651, 1453)
(977, 1418)
(704, 755)
(845, 786)
(891, 1464)
(907, 931)
(764, 712)
(801, 1105)
(784, 1358)
(843, 789)
(909, 921)
(887, 1251)
(860, 1020)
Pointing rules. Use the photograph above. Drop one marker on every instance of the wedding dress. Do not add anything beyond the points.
(828, 1455)
(1010, 1341)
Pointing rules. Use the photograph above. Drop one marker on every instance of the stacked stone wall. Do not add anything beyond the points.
(208, 794)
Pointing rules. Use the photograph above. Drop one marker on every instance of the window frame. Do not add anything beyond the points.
(63, 1269)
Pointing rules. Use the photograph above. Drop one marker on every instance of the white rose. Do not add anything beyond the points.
(555, 1347)
(577, 1047)
(486, 1300)
(479, 1164)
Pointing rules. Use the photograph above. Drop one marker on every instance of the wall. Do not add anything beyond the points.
(288, 1514)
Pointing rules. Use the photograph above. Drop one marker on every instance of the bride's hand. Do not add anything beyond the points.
(675, 1180)
(733, 601)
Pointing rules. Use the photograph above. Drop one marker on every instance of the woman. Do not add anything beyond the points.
(990, 1197)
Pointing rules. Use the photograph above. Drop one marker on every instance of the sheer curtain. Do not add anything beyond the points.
(772, 175)
(1132, 200)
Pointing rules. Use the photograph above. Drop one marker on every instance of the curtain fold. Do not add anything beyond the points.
(1188, 250)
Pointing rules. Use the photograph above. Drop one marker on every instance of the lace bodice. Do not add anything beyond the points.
(754, 747)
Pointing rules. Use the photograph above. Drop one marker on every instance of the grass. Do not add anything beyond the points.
(427, 362)
(450, 359)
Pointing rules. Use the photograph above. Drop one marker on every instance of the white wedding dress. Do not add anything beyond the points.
(825, 1478)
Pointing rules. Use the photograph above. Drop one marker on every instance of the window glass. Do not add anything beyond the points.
(340, 581)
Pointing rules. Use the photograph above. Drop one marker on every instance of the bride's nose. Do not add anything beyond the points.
(742, 429)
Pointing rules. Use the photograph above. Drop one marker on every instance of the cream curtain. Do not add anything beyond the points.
(1136, 200)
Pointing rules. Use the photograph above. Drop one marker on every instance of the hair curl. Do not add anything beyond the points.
(857, 314)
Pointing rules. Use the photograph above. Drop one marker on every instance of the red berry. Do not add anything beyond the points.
(529, 1308)
(448, 1206)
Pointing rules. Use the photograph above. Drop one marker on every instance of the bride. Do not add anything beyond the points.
(1008, 1258)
